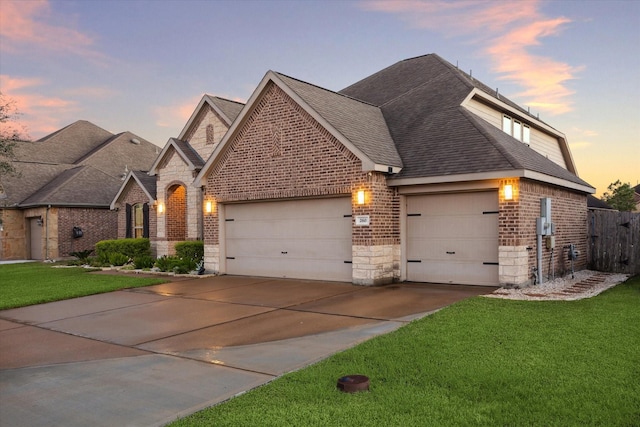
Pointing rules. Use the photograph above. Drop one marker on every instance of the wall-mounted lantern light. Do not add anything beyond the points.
(160, 207)
(360, 197)
(208, 206)
(508, 192)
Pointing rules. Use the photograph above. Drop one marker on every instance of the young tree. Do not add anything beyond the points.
(620, 196)
(9, 134)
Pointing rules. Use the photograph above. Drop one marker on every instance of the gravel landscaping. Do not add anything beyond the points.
(583, 284)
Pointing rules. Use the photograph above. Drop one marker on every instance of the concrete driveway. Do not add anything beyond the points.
(146, 356)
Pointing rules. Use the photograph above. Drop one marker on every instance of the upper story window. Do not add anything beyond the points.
(517, 129)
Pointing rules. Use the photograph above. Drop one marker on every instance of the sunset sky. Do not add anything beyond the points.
(143, 66)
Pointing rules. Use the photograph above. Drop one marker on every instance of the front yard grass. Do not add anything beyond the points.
(479, 362)
(36, 283)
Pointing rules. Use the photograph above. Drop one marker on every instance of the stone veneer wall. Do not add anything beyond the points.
(175, 171)
(517, 232)
(197, 137)
(281, 152)
(13, 237)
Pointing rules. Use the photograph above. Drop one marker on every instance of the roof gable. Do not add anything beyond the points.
(146, 182)
(183, 150)
(366, 134)
(226, 109)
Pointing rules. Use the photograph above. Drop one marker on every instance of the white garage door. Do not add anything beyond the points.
(303, 239)
(453, 238)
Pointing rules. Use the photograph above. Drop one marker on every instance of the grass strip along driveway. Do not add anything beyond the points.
(482, 361)
(36, 283)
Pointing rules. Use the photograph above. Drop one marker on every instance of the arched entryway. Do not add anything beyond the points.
(176, 225)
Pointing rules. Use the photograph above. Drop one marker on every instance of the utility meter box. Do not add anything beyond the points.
(545, 208)
(550, 241)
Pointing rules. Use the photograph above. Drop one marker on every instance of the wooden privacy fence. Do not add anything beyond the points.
(614, 241)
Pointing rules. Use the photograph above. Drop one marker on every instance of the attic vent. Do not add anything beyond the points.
(135, 141)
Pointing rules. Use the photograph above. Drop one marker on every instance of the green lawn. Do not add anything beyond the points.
(35, 283)
(482, 361)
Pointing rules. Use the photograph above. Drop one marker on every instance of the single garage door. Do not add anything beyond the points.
(453, 238)
(303, 239)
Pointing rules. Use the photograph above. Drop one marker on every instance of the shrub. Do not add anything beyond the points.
(143, 261)
(175, 264)
(166, 263)
(132, 248)
(118, 259)
(82, 255)
(191, 250)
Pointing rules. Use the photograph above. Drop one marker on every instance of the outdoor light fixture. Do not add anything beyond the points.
(208, 207)
(508, 192)
(160, 208)
(360, 197)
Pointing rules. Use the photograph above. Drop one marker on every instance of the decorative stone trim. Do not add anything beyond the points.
(375, 265)
(513, 269)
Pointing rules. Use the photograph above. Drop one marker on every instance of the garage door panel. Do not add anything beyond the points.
(289, 228)
(307, 239)
(453, 238)
(440, 272)
(314, 269)
(453, 226)
(320, 248)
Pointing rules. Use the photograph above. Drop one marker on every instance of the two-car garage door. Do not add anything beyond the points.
(304, 239)
(453, 238)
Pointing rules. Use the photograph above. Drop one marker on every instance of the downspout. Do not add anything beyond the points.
(46, 233)
(201, 213)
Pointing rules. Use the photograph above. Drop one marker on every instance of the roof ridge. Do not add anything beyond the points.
(225, 99)
(326, 90)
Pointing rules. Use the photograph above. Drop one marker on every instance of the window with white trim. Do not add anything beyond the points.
(516, 128)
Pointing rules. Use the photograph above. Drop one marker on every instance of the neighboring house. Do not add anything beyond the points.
(416, 173)
(593, 203)
(176, 206)
(58, 202)
(636, 197)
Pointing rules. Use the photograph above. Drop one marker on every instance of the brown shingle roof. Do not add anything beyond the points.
(361, 123)
(421, 99)
(80, 165)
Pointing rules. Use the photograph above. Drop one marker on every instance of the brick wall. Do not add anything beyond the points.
(96, 224)
(517, 221)
(132, 195)
(176, 206)
(282, 152)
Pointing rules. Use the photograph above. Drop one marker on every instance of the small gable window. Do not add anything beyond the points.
(210, 134)
(517, 129)
(506, 124)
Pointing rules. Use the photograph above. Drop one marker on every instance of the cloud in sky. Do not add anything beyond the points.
(34, 108)
(508, 34)
(25, 27)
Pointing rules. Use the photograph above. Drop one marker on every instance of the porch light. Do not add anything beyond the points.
(208, 206)
(360, 197)
(160, 207)
(508, 192)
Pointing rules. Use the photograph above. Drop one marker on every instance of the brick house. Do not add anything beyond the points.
(418, 172)
(58, 202)
(162, 204)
